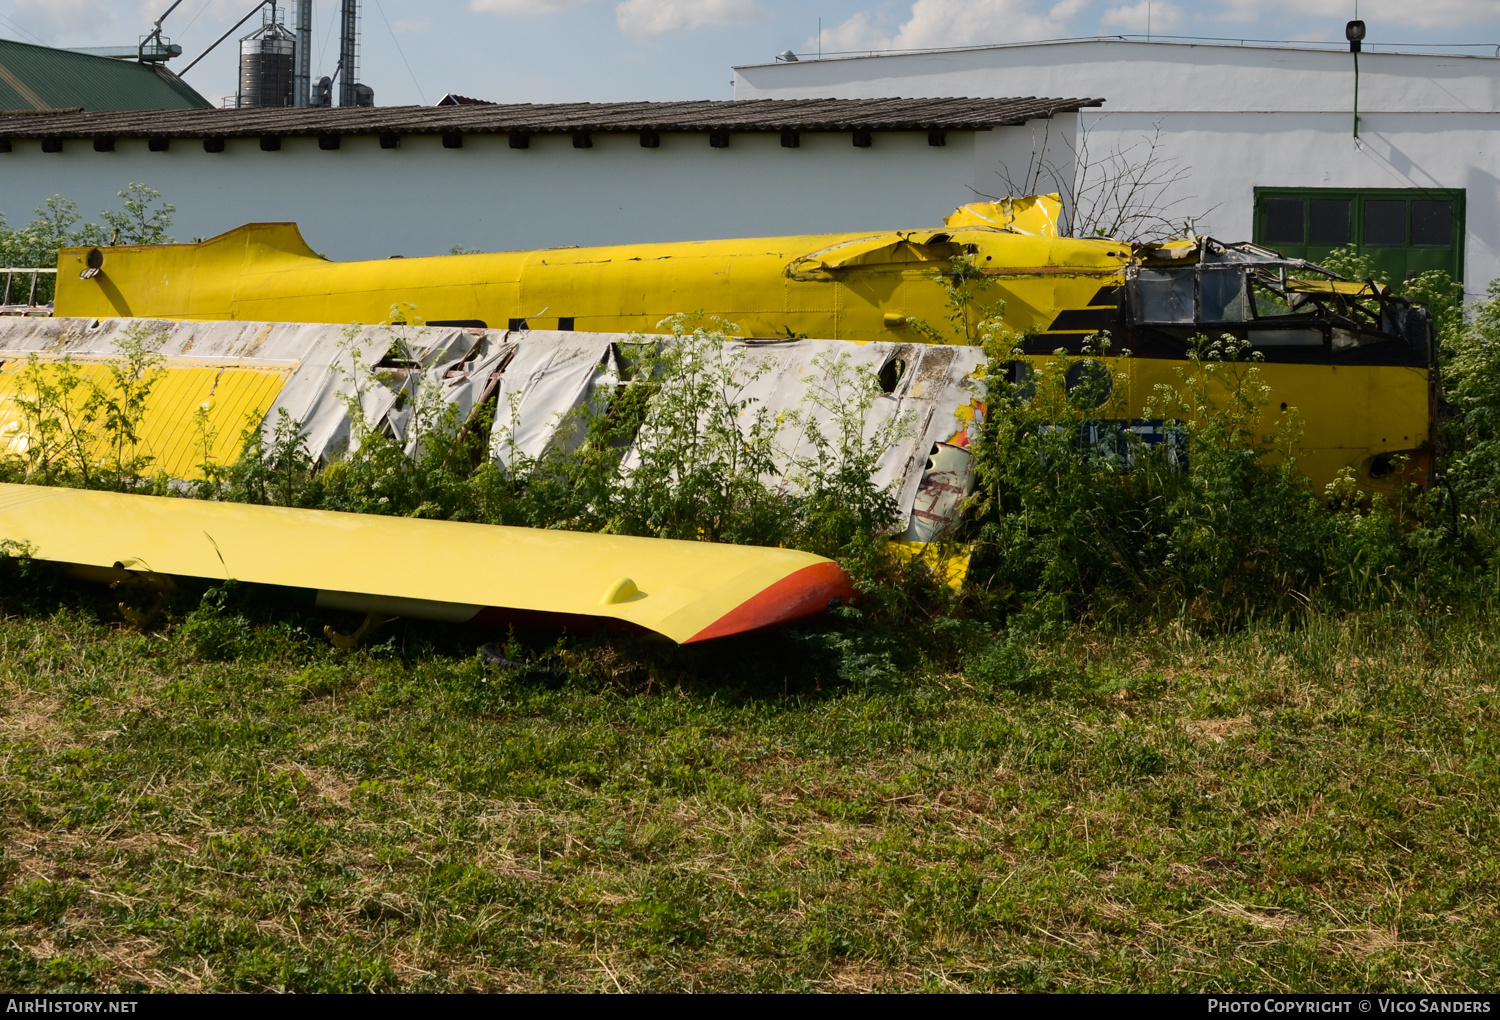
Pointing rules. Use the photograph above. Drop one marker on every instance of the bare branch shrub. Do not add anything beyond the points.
(1127, 192)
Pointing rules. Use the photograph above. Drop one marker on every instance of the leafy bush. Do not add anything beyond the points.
(1080, 519)
(676, 450)
(82, 424)
(142, 219)
(1469, 429)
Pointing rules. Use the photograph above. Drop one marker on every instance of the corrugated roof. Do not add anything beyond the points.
(744, 115)
(42, 78)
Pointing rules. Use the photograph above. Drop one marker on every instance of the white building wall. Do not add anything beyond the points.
(1147, 76)
(1229, 155)
(1234, 117)
(361, 201)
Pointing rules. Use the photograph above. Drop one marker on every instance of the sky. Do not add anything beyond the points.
(415, 51)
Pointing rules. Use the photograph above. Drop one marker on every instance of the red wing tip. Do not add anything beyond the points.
(807, 592)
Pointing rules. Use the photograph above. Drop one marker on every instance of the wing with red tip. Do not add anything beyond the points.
(687, 591)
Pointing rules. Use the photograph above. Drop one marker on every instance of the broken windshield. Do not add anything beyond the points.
(1221, 295)
(1164, 296)
(1214, 295)
(1271, 301)
(1186, 296)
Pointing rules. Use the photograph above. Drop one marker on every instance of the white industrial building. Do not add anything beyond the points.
(368, 183)
(1258, 142)
(1264, 135)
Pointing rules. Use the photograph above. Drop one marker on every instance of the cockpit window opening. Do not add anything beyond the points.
(1270, 300)
(1165, 296)
(1221, 295)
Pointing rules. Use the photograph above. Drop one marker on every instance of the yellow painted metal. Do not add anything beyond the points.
(835, 287)
(178, 443)
(680, 588)
(1353, 288)
(1348, 415)
(1034, 214)
(947, 561)
(859, 287)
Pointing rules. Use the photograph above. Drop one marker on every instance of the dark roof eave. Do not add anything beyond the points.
(743, 116)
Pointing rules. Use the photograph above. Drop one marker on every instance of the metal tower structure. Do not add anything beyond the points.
(348, 52)
(302, 77)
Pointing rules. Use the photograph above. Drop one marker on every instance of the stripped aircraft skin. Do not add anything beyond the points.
(448, 571)
(236, 375)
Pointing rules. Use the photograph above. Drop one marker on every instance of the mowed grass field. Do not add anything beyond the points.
(231, 804)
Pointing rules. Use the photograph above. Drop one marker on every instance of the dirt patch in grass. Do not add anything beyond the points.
(1217, 730)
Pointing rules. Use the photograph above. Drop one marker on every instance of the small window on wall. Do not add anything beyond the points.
(1402, 232)
(1431, 224)
(1285, 221)
(1329, 221)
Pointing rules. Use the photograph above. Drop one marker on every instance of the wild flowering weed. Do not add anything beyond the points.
(1078, 516)
(81, 424)
(670, 445)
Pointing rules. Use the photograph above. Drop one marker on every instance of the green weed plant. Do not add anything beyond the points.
(79, 429)
(670, 445)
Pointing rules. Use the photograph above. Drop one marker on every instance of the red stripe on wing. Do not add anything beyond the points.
(807, 592)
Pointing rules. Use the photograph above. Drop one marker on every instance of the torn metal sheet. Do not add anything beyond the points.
(1037, 215)
(542, 381)
(946, 481)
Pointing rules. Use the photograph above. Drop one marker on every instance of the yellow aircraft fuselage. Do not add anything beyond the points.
(1359, 411)
(833, 287)
(447, 570)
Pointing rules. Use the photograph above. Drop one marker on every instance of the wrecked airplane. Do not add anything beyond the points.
(1351, 359)
(221, 378)
(248, 326)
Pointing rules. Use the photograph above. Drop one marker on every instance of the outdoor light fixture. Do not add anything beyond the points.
(1354, 31)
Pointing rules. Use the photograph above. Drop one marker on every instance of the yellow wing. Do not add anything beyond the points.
(687, 591)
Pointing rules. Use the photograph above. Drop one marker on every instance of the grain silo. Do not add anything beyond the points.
(268, 65)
